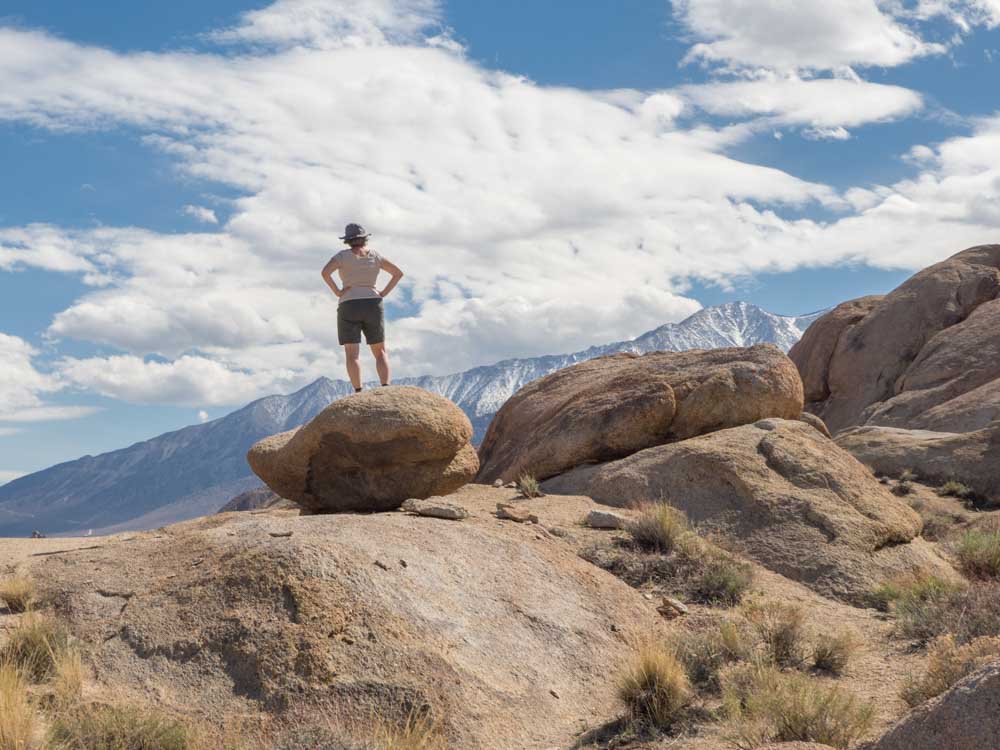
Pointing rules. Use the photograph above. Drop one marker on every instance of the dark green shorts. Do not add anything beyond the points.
(360, 315)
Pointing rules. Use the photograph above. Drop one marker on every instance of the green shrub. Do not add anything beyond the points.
(119, 727)
(767, 705)
(527, 485)
(34, 646)
(978, 554)
(654, 688)
(658, 527)
(832, 653)
(908, 475)
(723, 580)
(956, 489)
(920, 605)
(704, 654)
(947, 663)
(903, 488)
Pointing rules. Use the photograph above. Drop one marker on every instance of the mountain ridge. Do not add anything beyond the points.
(195, 470)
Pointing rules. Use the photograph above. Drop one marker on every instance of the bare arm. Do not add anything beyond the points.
(331, 266)
(392, 269)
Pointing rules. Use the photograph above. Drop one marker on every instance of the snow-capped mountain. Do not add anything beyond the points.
(195, 470)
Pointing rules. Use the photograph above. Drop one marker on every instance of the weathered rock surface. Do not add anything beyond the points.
(483, 622)
(435, 507)
(815, 422)
(612, 406)
(927, 355)
(604, 519)
(786, 495)
(966, 717)
(370, 452)
(972, 458)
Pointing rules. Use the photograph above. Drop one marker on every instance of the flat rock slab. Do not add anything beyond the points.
(605, 519)
(435, 507)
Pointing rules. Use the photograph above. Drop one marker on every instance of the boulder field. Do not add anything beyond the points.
(370, 452)
(781, 493)
(610, 407)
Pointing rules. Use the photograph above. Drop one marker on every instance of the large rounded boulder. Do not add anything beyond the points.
(784, 495)
(924, 356)
(370, 452)
(966, 717)
(610, 407)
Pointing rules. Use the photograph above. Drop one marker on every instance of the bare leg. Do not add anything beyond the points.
(351, 354)
(381, 362)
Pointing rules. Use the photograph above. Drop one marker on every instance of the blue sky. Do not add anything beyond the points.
(550, 175)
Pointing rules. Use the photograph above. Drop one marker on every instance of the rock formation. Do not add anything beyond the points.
(972, 458)
(925, 356)
(499, 630)
(925, 360)
(370, 452)
(787, 496)
(966, 717)
(612, 406)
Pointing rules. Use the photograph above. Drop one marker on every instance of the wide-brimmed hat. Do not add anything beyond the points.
(354, 232)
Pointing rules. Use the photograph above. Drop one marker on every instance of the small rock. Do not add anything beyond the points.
(553, 693)
(380, 564)
(648, 596)
(672, 608)
(511, 485)
(498, 483)
(435, 507)
(513, 513)
(604, 519)
(402, 563)
(280, 533)
(558, 531)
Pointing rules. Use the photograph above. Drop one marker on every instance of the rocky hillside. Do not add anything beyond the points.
(196, 470)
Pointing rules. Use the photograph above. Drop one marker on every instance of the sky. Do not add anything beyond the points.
(549, 176)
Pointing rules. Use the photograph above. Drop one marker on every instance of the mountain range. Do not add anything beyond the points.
(194, 471)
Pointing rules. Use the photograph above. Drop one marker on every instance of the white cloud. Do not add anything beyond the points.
(783, 35)
(203, 416)
(827, 134)
(825, 104)
(332, 23)
(22, 386)
(8, 431)
(200, 213)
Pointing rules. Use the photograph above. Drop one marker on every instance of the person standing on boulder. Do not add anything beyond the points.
(360, 307)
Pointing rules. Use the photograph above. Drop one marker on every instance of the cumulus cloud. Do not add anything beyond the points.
(529, 219)
(22, 387)
(799, 35)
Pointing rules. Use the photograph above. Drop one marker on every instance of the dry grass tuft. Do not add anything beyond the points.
(921, 605)
(34, 645)
(978, 554)
(120, 727)
(832, 653)
(527, 485)
(947, 663)
(658, 527)
(18, 593)
(781, 630)
(17, 715)
(654, 688)
(908, 475)
(767, 705)
(67, 677)
(416, 733)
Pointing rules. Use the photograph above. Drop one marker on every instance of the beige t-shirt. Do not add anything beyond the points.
(358, 274)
